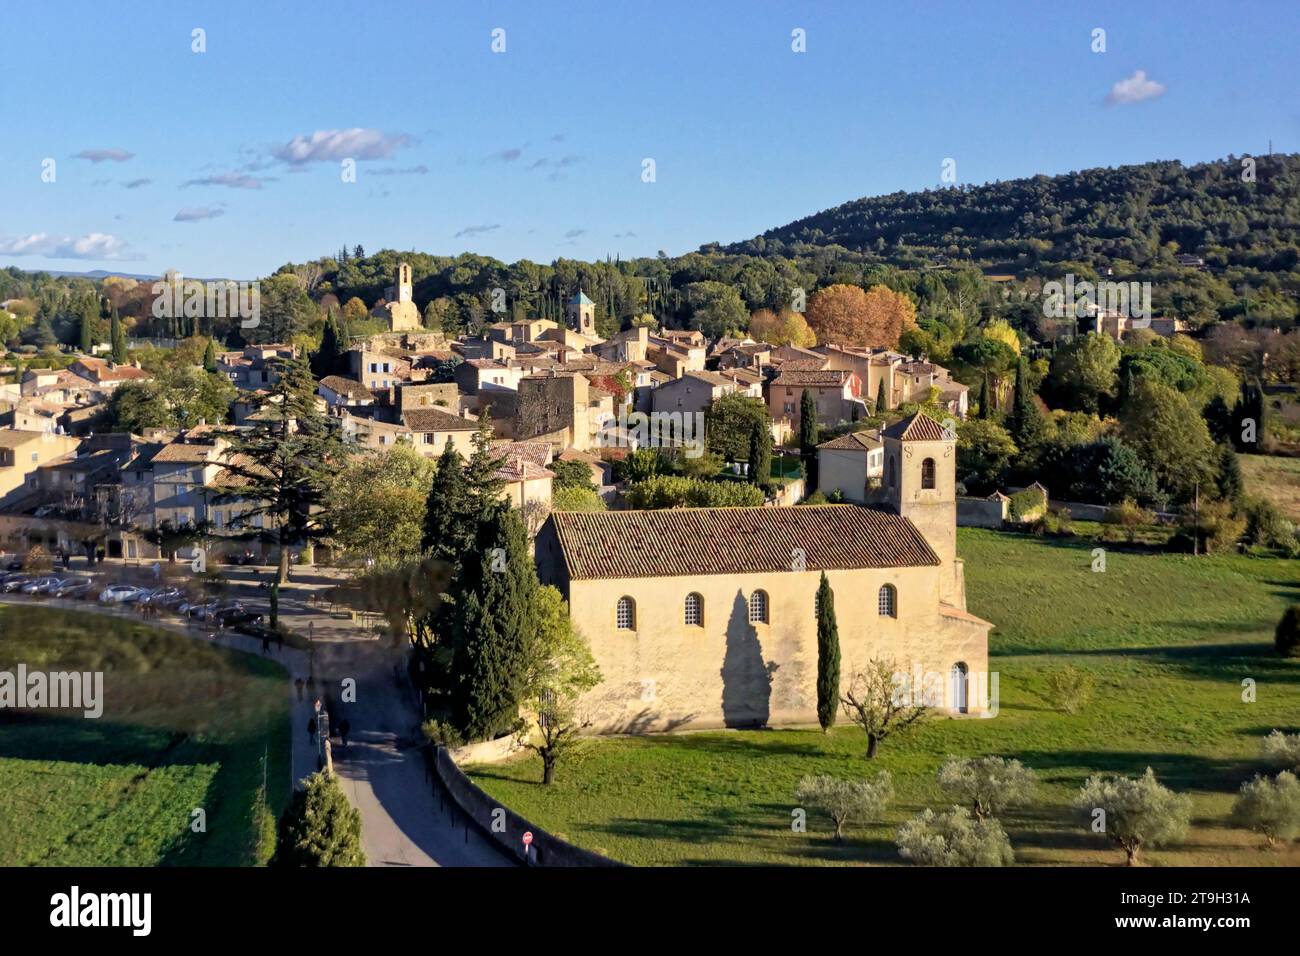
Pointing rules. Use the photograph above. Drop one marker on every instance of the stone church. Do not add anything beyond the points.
(706, 617)
(397, 307)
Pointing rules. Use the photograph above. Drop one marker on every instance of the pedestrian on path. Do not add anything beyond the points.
(311, 729)
(266, 643)
(344, 727)
(299, 685)
(279, 640)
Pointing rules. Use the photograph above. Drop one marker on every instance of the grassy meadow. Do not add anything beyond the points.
(186, 725)
(1168, 638)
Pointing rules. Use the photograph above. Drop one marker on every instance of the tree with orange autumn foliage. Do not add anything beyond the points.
(845, 315)
(788, 328)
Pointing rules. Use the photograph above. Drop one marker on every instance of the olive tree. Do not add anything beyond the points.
(988, 785)
(877, 702)
(846, 800)
(1271, 806)
(1135, 811)
(1282, 750)
(954, 838)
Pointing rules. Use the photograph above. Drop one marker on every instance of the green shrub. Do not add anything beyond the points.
(319, 827)
(1027, 504)
(442, 733)
(1282, 750)
(675, 491)
(1070, 688)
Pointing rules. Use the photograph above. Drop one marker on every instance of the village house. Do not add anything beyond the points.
(699, 617)
(256, 366)
(22, 453)
(432, 428)
(852, 465)
(694, 392)
(836, 392)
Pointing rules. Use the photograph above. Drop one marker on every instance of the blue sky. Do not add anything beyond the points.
(234, 154)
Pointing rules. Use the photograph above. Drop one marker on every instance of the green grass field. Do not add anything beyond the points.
(1169, 639)
(1274, 478)
(186, 725)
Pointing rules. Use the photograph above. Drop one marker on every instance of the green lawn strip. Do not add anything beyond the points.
(1168, 639)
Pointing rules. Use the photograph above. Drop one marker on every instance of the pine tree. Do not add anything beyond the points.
(118, 338)
(760, 453)
(287, 461)
(210, 356)
(828, 656)
(319, 827)
(494, 625)
(808, 438)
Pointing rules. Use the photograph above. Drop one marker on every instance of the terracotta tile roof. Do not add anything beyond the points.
(917, 427)
(15, 437)
(186, 454)
(855, 441)
(521, 469)
(538, 452)
(347, 387)
(436, 420)
(682, 542)
(811, 377)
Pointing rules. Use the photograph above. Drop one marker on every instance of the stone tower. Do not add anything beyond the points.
(398, 306)
(580, 314)
(919, 483)
(403, 282)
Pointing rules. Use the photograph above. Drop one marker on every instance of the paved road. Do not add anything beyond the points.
(405, 821)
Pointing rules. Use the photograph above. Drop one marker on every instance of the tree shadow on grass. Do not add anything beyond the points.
(1174, 770)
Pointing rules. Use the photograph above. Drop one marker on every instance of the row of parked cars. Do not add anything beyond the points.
(222, 613)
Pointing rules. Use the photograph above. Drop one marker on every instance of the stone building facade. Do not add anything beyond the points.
(706, 617)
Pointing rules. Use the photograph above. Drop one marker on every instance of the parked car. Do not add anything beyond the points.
(14, 582)
(234, 616)
(201, 609)
(246, 556)
(42, 585)
(164, 597)
(121, 594)
(73, 588)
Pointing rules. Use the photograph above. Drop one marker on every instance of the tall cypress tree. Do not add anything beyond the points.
(210, 356)
(118, 338)
(494, 625)
(881, 406)
(89, 319)
(1026, 424)
(828, 656)
(448, 530)
(985, 398)
(808, 438)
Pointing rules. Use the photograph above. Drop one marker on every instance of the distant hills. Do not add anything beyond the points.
(1108, 216)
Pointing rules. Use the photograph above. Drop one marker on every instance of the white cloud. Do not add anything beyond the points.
(100, 155)
(337, 144)
(476, 230)
(231, 181)
(198, 215)
(1134, 89)
(95, 245)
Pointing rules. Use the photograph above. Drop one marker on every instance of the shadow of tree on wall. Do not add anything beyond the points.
(746, 677)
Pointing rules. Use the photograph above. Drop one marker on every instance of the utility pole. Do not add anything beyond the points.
(1196, 519)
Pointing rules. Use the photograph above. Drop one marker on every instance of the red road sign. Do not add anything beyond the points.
(528, 837)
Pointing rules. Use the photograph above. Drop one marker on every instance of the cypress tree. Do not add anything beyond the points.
(1228, 480)
(808, 438)
(89, 318)
(1026, 424)
(828, 656)
(447, 531)
(210, 356)
(319, 827)
(483, 487)
(760, 453)
(118, 339)
(494, 623)
(881, 407)
(985, 398)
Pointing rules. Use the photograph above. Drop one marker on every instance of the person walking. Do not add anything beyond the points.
(266, 643)
(344, 727)
(311, 729)
(298, 685)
